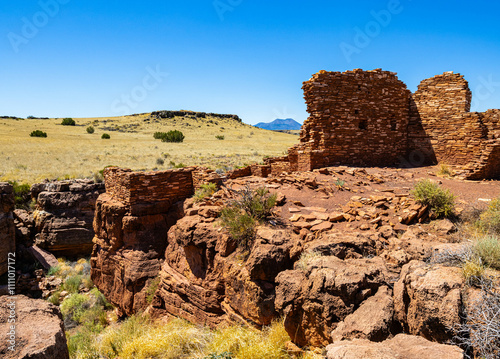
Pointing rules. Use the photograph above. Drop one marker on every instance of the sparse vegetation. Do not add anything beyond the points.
(105, 136)
(153, 286)
(205, 190)
(243, 214)
(219, 137)
(444, 170)
(90, 129)
(306, 258)
(38, 133)
(160, 161)
(489, 220)
(481, 328)
(68, 122)
(487, 248)
(22, 195)
(440, 201)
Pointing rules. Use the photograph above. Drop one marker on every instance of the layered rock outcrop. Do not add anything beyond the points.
(38, 328)
(7, 228)
(64, 215)
(205, 279)
(131, 224)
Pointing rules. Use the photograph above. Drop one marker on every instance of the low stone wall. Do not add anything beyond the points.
(131, 187)
(7, 228)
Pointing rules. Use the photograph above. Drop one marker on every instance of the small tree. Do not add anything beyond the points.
(90, 129)
(38, 133)
(68, 122)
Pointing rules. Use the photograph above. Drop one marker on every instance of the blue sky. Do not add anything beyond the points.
(89, 58)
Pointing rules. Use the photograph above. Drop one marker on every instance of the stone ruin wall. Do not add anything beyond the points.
(7, 228)
(356, 117)
(457, 136)
(132, 188)
(370, 118)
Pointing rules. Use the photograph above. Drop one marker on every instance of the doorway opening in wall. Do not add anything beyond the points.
(394, 125)
(363, 124)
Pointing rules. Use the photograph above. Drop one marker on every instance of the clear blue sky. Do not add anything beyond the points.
(89, 58)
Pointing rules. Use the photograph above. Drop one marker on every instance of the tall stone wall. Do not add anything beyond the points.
(7, 228)
(356, 117)
(369, 118)
(457, 136)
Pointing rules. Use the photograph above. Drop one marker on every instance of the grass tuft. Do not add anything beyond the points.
(440, 201)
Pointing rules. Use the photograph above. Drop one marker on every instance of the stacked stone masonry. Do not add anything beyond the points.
(370, 118)
(131, 187)
(7, 228)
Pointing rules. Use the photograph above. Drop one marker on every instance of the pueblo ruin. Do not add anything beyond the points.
(370, 118)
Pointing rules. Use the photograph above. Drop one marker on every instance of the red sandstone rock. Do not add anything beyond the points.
(372, 320)
(428, 300)
(402, 346)
(39, 329)
(314, 300)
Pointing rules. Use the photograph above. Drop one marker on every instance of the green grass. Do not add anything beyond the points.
(487, 248)
(205, 190)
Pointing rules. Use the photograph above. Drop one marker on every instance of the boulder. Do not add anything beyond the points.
(402, 346)
(64, 215)
(39, 329)
(428, 300)
(373, 320)
(7, 227)
(315, 298)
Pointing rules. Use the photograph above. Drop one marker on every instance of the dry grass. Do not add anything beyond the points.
(70, 152)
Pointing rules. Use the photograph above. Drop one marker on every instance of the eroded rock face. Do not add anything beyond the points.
(128, 249)
(428, 300)
(316, 297)
(7, 228)
(206, 279)
(401, 346)
(373, 320)
(39, 329)
(64, 215)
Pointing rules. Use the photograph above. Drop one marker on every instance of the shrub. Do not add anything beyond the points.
(243, 214)
(22, 195)
(68, 122)
(440, 201)
(205, 190)
(72, 283)
(153, 286)
(488, 249)
(74, 306)
(489, 220)
(53, 270)
(105, 136)
(173, 136)
(219, 137)
(160, 161)
(159, 135)
(38, 133)
(90, 129)
(480, 329)
(444, 170)
(473, 271)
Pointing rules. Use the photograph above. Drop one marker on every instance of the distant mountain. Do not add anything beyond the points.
(280, 125)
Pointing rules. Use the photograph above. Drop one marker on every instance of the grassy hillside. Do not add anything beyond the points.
(70, 152)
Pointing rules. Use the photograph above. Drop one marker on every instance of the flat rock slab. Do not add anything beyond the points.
(39, 329)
